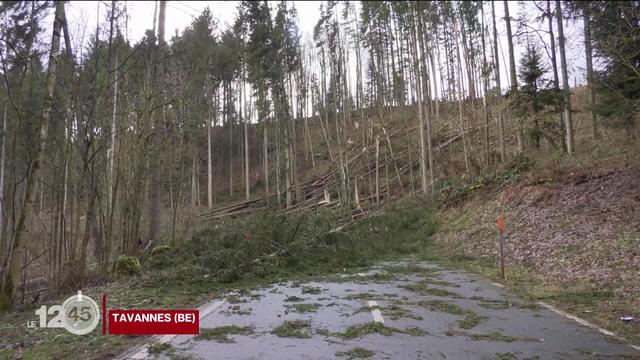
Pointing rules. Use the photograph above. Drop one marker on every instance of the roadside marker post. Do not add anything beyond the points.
(501, 230)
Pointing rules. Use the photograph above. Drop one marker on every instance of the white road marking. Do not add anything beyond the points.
(143, 351)
(377, 315)
(577, 319)
(586, 323)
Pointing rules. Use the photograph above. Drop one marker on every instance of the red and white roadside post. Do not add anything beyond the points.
(501, 230)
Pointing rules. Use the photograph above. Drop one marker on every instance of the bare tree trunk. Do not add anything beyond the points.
(111, 194)
(194, 179)
(565, 82)
(3, 242)
(246, 119)
(427, 95)
(460, 92)
(418, 86)
(377, 170)
(9, 281)
(496, 59)
(588, 48)
(209, 160)
(159, 119)
(227, 94)
(554, 64)
(485, 87)
(265, 160)
(512, 70)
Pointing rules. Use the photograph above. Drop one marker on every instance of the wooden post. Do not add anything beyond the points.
(501, 230)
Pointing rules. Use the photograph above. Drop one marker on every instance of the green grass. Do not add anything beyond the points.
(294, 299)
(414, 331)
(395, 312)
(303, 308)
(496, 304)
(470, 320)
(442, 306)
(300, 329)
(408, 270)
(493, 336)
(422, 288)
(236, 309)
(235, 299)
(157, 349)
(311, 290)
(505, 356)
(356, 353)
(362, 296)
(7, 354)
(220, 334)
(360, 330)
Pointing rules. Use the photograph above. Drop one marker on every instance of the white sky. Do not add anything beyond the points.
(82, 17)
(179, 15)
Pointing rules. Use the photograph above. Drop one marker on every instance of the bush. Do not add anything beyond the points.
(127, 265)
(514, 169)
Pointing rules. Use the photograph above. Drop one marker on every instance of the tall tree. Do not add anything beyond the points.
(496, 59)
(14, 260)
(568, 126)
(512, 71)
(588, 49)
(158, 124)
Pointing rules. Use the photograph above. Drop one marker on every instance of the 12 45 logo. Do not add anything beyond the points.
(78, 314)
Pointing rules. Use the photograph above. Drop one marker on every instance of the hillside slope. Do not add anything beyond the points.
(572, 235)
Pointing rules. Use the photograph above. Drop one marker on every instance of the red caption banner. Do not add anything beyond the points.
(151, 322)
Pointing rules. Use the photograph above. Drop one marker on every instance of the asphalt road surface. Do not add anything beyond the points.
(394, 311)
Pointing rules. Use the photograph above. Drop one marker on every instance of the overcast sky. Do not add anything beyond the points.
(82, 17)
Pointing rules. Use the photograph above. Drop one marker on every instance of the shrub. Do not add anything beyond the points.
(127, 265)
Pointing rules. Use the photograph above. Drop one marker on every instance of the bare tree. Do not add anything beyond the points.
(512, 72)
(17, 246)
(568, 127)
(159, 118)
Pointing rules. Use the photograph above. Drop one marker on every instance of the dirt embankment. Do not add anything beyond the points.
(574, 229)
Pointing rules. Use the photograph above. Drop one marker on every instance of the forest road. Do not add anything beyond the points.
(393, 311)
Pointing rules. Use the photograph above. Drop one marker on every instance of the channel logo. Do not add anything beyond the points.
(80, 315)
